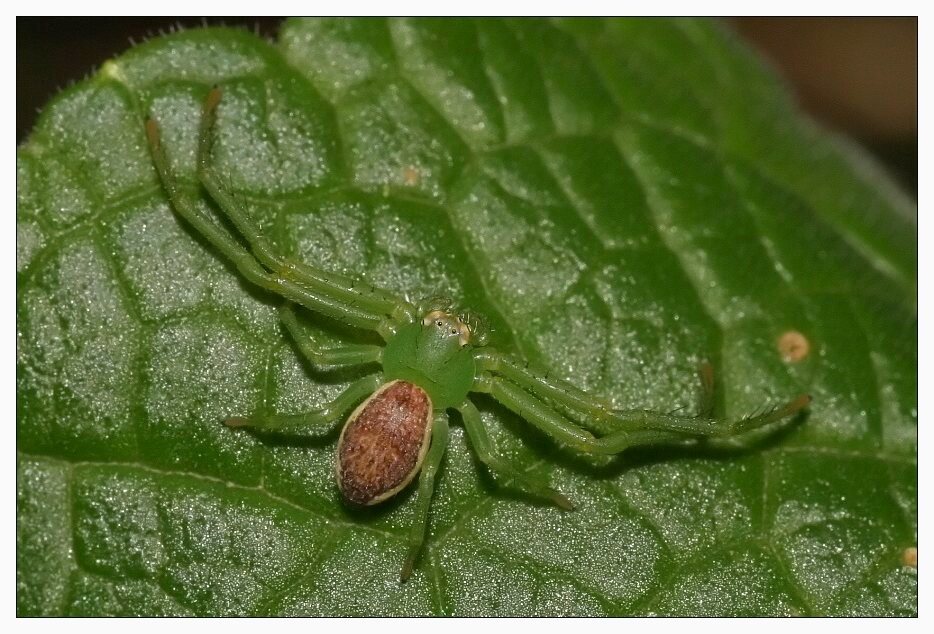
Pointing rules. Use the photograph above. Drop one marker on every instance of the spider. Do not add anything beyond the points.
(434, 357)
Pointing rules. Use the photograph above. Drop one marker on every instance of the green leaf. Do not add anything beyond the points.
(621, 198)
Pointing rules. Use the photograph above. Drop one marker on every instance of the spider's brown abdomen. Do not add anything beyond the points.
(383, 443)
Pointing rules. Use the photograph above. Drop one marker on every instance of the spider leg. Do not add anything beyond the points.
(644, 427)
(550, 421)
(714, 431)
(327, 358)
(426, 487)
(326, 415)
(544, 386)
(704, 423)
(187, 207)
(345, 289)
(587, 407)
(486, 452)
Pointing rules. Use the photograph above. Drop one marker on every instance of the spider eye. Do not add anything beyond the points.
(439, 323)
(453, 331)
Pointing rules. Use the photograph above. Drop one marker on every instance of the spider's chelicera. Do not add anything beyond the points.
(432, 360)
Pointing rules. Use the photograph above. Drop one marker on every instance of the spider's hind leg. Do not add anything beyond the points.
(486, 452)
(325, 416)
(426, 488)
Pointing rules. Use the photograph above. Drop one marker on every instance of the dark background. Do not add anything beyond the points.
(856, 75)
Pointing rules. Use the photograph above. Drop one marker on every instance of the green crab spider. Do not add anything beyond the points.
(434, 357)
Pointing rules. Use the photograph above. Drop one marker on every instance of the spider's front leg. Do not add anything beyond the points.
(355, 293)
(640, 424)
(188, 207)
(544, 386)
(550, 421)
(635, 427)
(354, 303)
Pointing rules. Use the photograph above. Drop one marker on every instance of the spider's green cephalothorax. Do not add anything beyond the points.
(433, 359)
(434, 354)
